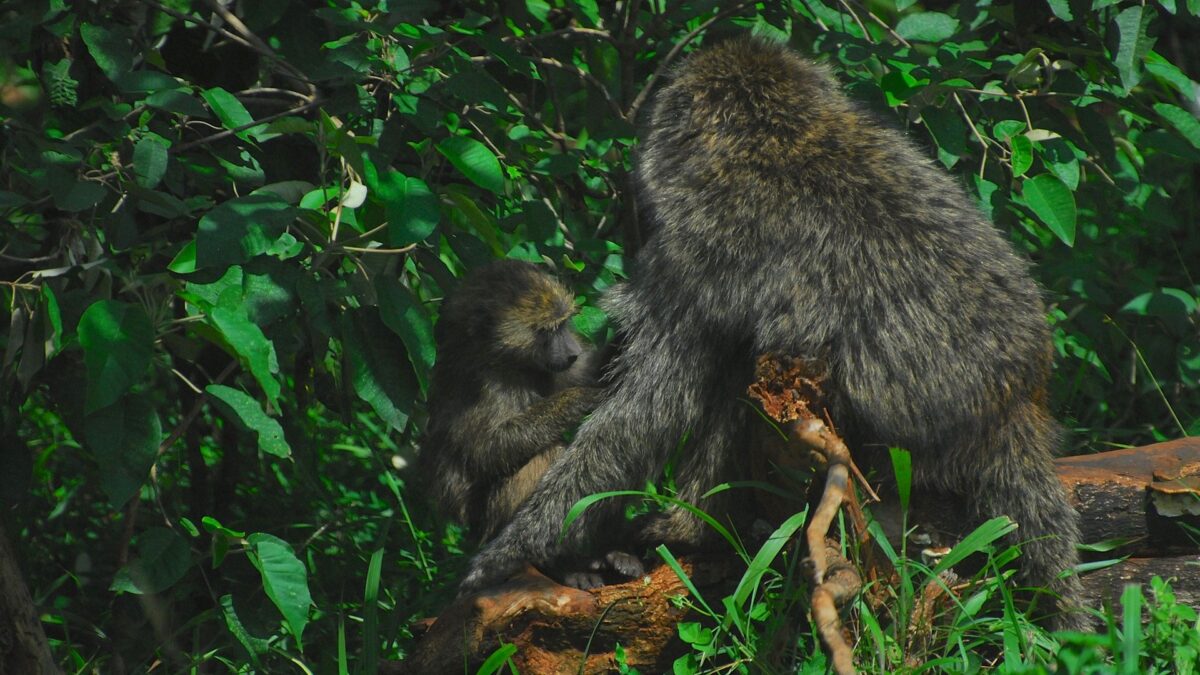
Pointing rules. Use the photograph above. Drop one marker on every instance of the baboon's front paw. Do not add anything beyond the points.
(625, 564)
(583, 580)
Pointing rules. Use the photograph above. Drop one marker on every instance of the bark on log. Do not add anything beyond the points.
(565, 630)
(1127, 493)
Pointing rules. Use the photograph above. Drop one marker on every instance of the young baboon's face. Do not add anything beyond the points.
(536, 328)
(559, 348)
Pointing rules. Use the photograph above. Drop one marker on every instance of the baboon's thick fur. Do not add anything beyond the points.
(786, 219)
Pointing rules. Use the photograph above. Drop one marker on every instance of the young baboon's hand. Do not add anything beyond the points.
(582, 400)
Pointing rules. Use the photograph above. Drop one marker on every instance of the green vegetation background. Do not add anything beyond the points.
(226, 234)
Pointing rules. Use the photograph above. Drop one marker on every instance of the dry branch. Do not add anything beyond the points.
(788, 389)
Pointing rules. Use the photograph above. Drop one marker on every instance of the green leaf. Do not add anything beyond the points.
(1161, 68)
(162, 560)
(284, 579)
(978, 540)
(246, 411)
(253, 348)
(949, 131)
(1183, 121)
(184, 262)
(1167, 303)
(1059, 156)
(53, 316)
(1006, 129)
(77, 195)
(378, 376)
(407, 317)
(496, 660)
(117, 341)
(1022, 154)
(146, 81)
(124, 438)
(178, 102)
(412, 208)
(241, 228)
(231, 112)
(150, 160)
(927, 26)
(1053, 203)
(1061, 9)
(475, 162)
(110, 49)
(1133, 44)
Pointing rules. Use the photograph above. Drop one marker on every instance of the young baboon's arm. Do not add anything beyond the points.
(508, 443)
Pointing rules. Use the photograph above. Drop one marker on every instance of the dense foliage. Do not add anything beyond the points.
(228, 227)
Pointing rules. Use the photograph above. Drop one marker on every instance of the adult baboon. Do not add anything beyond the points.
(789, 220)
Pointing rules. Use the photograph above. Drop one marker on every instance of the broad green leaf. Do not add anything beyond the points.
(1006, 129)
(1059, 156)
(1159, 67)
(117, 341)
(231, 112)
(184, 262)
(948, 130)
(241, 228)
(163, 557)
(412, 208)
(407, 317)
(377, 373)
(898, 86)
(927, 26)
(1183, 121)
(1164, 302)
(177, 101)
(110, 49)
(249, 414)
(1053, 203)
(124, 439)
(284, 579)
(150, 160)
(1061, 9)
(146, 81)
(466, 214)
(1134, 43)
(475, 162)
(76, 195)
(253, 348)
(1022, 154)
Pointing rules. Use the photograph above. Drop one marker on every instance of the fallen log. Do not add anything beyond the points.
(1139, 496)
(558, 629)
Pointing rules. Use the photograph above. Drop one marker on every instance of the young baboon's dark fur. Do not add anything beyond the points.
(787, 219)
(510, 379)
(498, 406)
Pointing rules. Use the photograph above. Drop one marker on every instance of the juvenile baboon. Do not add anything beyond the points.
(787, 219)
(511, 378)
